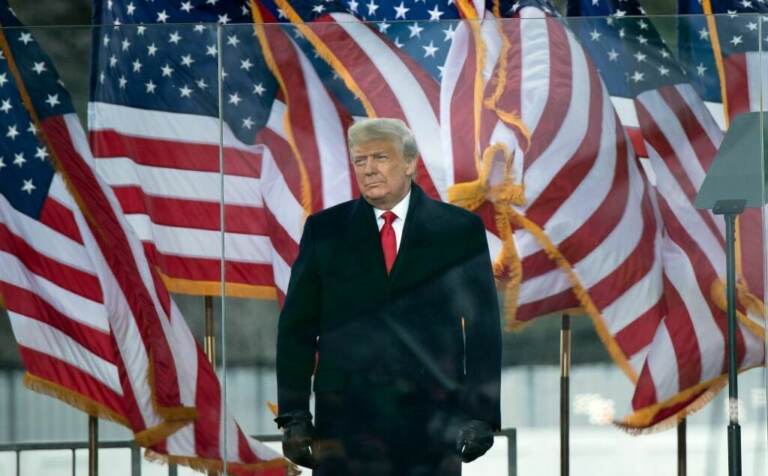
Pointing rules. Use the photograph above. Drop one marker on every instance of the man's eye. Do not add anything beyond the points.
(358, 162)
(381, 158)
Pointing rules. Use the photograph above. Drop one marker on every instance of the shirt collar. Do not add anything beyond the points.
(401, 209)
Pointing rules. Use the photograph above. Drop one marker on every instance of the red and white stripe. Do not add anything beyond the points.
(682, 138)
(164, 169)
(136, 294)
(583, 187)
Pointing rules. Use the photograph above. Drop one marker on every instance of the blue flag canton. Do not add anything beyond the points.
(148, 61)
(25, 168)
(625, 46)
(741, 26)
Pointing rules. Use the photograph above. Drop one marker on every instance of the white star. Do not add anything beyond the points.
(32, 128)
(643, 40)
(151, 49)
(224, 19)
(211, 2)
(199, 28)
(643, 25)
(130, 8)
(150, 87)
(137, 66)
(664, 53)
(234, 99)
(248, 123)
(187, 60)
(2, 163)
(401, 10)
(39, 67)
(619, 13)
(19, 160)
(415, 30)
(353, 6)
(638, 76)
(28, 186)
(731, 13)
(3, 79)
(703, 34)
(140, 30)
(663, 71)
(162, 17)
(123, 82)
(595, 35)
(25, 38)
(372, 7)
(752, 26)
(112, 61)
(201, 83)
(430, 50)
(736, 40)
(595, 3)
(700, 69)
(246, 64)
(41, 153)
(126, 44)
(53, 100)
(174, 38)
(233, 40)
(640, 57)
(435, 14)
(185, 91)
(449, 33)
(259, 89)
(746, 3)
(211, 51)
(622, 33)
(167, 70)
(117, 22)
(6, 106)
(397, 42)
(186, 6)
(318, 8)
(613, 55)
(106, 40)
(12, 132)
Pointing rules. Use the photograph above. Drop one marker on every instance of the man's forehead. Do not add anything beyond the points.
(374, 146)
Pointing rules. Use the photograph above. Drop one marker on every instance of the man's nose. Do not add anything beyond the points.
(370, 166)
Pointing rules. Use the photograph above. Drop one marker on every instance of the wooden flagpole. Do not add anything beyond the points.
(93, 446)
(565, 370)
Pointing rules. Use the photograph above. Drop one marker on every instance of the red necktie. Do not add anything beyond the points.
(388, 239)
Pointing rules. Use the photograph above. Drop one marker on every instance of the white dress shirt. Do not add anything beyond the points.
(401, 210)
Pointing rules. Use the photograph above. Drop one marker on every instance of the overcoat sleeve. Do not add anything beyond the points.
(297, 328)
(479, 300)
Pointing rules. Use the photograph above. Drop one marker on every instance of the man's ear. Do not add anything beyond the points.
(410, 167)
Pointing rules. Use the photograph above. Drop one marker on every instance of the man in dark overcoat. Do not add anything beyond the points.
(392, 307)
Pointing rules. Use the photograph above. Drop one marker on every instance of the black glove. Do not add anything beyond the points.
(297, 437)
(474, 439)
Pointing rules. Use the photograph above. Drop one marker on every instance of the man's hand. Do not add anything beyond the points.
(474, 439)
(297, 437)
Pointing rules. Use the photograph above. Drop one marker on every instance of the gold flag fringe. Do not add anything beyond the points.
(749, 300)
(216, 466)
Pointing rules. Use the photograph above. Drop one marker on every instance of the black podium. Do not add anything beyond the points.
(734, 181)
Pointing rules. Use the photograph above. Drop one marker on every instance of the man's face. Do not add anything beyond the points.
(383, 175)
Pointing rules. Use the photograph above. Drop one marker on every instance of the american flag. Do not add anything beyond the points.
(154, 130)
(95, 325)
(686, 362)
(738, 31)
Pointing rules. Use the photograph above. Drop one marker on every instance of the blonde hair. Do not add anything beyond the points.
(383, 128)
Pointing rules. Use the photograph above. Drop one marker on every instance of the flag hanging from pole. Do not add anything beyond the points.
(95, 325)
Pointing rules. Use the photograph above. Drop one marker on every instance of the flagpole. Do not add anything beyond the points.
(682, 454)
(210, 335)
(93, 439)
(565, 368)
(730, 209)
